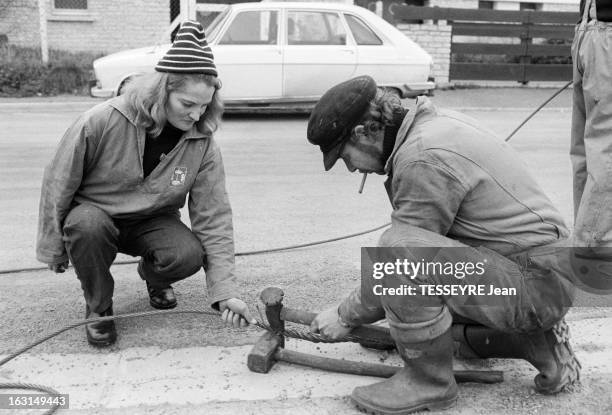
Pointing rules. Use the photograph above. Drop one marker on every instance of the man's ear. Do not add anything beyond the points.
(358, 133)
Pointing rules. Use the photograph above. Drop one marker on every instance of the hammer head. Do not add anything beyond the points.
(272, 296)
(261, 358)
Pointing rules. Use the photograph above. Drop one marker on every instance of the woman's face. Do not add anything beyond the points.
(186, 105)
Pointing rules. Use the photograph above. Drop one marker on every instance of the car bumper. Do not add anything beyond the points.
(415, 89)
(100, 93)
(97, 92)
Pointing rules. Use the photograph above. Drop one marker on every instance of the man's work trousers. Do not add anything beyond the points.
(170, 251)
(543, 291)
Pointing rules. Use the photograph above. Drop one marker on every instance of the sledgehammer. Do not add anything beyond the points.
(269, 349)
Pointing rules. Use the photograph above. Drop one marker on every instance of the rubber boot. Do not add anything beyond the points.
(425, 382)
(100, 333)
(548, 351)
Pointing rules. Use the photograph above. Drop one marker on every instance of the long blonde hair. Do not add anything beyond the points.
(148, 95)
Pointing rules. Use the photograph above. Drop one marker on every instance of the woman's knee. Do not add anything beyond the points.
(89, 222)
(182, 261)
(191, 259)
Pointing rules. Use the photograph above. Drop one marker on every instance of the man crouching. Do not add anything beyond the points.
(452, 184)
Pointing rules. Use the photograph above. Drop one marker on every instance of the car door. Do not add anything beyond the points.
(389, 60)
(249, 57)
(318, 53)
(375, 56)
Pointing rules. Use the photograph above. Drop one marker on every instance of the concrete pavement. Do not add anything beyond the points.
(151, 380)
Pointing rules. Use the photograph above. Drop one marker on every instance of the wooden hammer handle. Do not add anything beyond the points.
(375, 369)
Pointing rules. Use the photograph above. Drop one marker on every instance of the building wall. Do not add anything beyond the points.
(106, 26)
(19, 22)
(114, 25)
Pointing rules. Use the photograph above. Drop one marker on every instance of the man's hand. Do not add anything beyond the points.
(58, 268)
(235, 313)
(327, 323)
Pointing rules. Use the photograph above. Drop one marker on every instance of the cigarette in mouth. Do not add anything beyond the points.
(365, 175)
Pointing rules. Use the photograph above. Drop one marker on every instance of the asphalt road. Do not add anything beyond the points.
(280, 196)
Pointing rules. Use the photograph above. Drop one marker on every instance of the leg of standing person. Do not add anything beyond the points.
(593, 227)
(577, 152)
(591, 153)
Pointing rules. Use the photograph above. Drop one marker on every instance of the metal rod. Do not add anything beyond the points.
(536, 111)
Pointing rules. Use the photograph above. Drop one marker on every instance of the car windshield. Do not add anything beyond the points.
(212, 29)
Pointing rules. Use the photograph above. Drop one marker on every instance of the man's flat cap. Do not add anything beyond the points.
(336, 114)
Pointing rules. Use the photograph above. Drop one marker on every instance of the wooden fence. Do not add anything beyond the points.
(500, 45)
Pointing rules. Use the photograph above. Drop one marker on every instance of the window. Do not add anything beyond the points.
(315, 28)
(211, 27)
(71, 10)
(489, 5)
(70, 4)
(363, 34)
(252, 28)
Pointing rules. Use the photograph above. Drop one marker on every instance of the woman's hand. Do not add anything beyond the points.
(235, 313)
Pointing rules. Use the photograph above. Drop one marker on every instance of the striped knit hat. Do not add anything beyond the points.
(189, 53)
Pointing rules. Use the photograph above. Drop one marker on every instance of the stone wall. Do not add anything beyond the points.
(435, 39)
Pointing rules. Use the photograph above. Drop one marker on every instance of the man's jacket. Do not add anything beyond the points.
(99, 162)
(452, 177)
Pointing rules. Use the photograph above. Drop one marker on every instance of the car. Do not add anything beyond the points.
(287, 54)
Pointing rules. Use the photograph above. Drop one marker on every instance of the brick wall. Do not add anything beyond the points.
(19, 21)
(561, 7)
(114, 25)
(541, 5)
(435, 39)
(106, 26)
(459, 4)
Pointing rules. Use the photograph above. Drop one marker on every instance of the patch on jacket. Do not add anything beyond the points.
(178, 177)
